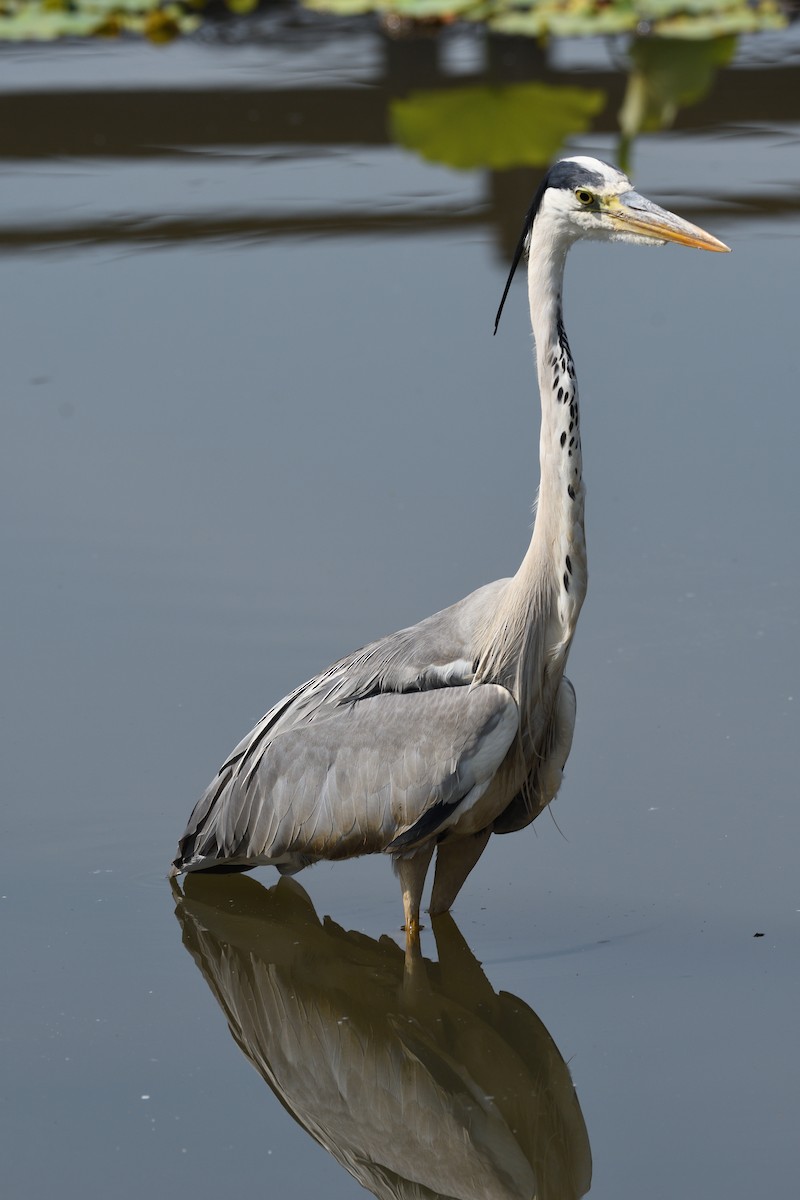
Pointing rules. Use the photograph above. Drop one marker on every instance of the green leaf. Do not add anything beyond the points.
(684, 19)
(36, 24)
(722, 24)
(424, 10)
(343, 8)
(47, 20)
(498, 127)
(566, 22)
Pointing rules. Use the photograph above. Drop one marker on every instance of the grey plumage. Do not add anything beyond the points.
(460, 726)
(379, 752)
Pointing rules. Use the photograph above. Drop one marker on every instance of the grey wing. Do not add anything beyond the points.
(434, 654)
(384, 773)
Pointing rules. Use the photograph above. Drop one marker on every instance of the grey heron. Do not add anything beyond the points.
(441, 734)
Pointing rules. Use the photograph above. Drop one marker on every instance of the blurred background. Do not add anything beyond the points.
(252, 417)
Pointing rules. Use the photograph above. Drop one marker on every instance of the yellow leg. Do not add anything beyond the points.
(412, 872)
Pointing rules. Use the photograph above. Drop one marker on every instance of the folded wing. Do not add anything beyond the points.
(385, 772)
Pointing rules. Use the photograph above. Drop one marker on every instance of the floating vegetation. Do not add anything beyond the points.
(522, 124)
(47, 20)
(577, 18)
(161, 20)
(695, 19)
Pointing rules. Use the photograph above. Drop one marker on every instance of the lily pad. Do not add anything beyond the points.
(722, 24)
(497, 127)
(342, 8)
(426, 9)
(539, 21)
(160, 20)
(685, 19)
(48, 20)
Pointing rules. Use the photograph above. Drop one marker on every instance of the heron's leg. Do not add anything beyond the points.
(455, 859)
(411, 872)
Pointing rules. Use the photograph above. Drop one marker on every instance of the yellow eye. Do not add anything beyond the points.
(584, 197)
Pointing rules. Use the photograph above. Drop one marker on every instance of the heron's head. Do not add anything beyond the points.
(586, 198)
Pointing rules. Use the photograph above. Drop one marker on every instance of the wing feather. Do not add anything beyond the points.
(383, 774)
(434, 655)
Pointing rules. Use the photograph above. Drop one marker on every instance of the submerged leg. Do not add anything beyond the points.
(411, 872)
(455, 859)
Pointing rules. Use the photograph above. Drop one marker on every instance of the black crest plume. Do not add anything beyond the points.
(527, 229)
(566, 174)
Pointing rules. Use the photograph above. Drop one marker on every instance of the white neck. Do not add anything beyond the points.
(558, 547)
(526, 640)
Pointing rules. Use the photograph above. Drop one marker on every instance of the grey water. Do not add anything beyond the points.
(253, 416)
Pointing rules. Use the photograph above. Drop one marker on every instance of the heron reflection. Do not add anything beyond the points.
(423, 1085)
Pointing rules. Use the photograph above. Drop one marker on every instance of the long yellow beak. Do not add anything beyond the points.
(633, 213)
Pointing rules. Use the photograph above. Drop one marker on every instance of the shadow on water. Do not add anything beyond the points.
(423, 1084)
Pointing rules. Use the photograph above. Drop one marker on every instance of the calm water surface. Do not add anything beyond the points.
(252, 417)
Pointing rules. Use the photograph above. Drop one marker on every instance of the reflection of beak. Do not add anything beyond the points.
(632, 213)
